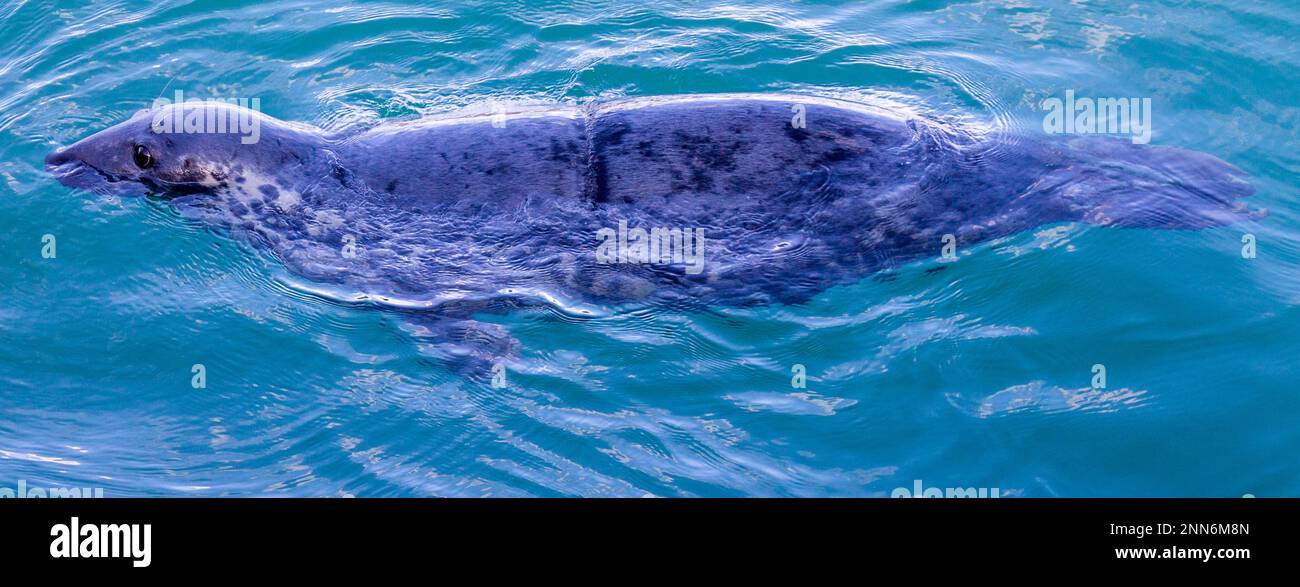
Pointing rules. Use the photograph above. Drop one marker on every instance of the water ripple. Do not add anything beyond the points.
(973, 371)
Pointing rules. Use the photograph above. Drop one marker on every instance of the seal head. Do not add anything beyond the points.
(177, 149)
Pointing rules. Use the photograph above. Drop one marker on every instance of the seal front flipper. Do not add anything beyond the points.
(468, 347)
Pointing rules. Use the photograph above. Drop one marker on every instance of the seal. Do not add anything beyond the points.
(698, 200)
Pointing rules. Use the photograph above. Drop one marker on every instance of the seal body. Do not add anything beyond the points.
(793, 194)
(780, 197)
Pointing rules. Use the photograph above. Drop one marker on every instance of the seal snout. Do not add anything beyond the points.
(58, 157)
(68, 167)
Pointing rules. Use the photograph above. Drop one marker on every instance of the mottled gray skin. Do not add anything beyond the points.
(452, 217)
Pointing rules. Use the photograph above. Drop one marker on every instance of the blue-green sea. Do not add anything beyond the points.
(977, 375)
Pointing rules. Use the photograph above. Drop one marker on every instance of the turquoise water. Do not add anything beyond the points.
(975, 376)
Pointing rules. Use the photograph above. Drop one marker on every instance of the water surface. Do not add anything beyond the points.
(976, 375)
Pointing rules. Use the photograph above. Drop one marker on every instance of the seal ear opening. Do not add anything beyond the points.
(1138, 186)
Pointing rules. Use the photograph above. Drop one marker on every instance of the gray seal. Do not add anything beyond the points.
(694, 201)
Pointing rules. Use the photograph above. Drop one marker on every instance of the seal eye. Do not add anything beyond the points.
(143, 159)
